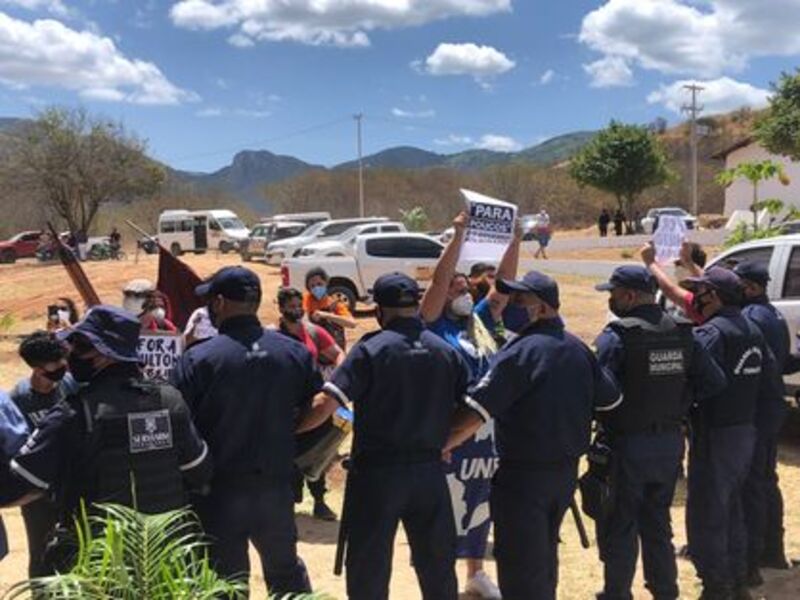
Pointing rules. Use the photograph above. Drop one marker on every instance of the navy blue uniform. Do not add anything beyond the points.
(404, 383)
(721, 450)
(541, 390)
(13, 433)
(246, 388)
(647, 464)
(763, 503)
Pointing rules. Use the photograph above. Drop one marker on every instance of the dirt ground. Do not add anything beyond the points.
(26, 289)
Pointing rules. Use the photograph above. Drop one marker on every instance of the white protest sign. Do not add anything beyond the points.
(668, 237)
(491, 227)
(158, 353)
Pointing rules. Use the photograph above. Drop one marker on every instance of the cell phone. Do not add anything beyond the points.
(52, 312)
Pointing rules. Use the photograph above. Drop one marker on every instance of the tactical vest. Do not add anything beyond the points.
(654, 386)
(736, 405)
(130, 457)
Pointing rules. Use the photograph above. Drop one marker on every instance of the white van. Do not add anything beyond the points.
(200, 230)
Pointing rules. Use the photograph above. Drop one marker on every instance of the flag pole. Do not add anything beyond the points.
(74, 270)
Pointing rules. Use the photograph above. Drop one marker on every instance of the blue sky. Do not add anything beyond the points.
(202, 79)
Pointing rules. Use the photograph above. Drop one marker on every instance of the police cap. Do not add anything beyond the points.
(395, 290)
(631, 277)
(755, 271)
(533, 282)
(112, 331)
(234, 283)
(718, 278)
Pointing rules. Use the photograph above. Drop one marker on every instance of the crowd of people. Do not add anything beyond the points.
(472, 405)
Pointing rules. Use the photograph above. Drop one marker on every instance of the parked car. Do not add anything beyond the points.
(782, 254)
(650, 222)
(790, 227)
(345, 244)
(277, 251)
(262, 234)
(352, 277)
(22, 245)
(309, 218)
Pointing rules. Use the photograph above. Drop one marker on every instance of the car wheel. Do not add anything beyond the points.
(342, 293)
(225, 247)
(246, 257)
(8, 256)
(175, 249)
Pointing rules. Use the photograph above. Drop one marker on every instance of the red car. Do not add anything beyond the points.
(22, 245)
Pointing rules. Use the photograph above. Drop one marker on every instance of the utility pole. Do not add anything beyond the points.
(693, 109)
(358, 117)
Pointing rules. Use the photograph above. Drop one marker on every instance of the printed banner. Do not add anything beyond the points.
(158, 353)
(491, 227)
(668, 238)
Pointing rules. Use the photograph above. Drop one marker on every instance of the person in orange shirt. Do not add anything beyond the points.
(324, 310)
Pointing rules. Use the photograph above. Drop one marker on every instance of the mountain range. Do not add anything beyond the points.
(250, 170)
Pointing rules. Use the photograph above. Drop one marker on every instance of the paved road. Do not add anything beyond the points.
(599, 269)
(712, 237)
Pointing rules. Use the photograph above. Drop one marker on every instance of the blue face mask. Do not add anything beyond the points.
(319, 291)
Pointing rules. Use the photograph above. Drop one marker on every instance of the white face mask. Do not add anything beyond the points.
(63, 316)
(159, 313)
(133, 305)
(462, 306)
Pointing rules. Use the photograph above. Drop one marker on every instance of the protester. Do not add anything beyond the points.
(135, 293)
(542, 232)
(13, 434)
(448, 310)
(48, 384)
(619, 221)
(404, 383)
(481, 280)
(246, 387)
(115, 242)
(541, 391)
(198, 327)
(602, 222)
(724, 434)
(156, 313)
(92, 448)
(690, 263)
(763, 503)
(658, 366)
(324, 310)
(62, 315)
(327, 356)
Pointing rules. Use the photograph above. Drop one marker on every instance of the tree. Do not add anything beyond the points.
(623, 160)
(415, 219)
(755, 172)
(75, 163)
(778, 130)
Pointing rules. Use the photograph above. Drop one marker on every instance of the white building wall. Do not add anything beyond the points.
(739, 196)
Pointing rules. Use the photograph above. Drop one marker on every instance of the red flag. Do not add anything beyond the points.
(177, 281)
(74, 270)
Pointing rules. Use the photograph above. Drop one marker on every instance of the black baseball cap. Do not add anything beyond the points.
(234, 283)
(396, 290)
(533, 282)
(112, 331)
(631, 277)
(717, 278)
(757, 272)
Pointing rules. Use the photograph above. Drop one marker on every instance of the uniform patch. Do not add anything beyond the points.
(149, 431)
(665, 362)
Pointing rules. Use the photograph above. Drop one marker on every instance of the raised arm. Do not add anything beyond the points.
(686, 260)
(670, 289)
(507, 269)
(435, 298)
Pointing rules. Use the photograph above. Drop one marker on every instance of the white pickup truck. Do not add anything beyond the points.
(352, 277)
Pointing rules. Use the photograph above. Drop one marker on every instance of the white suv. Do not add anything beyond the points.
(345, 244)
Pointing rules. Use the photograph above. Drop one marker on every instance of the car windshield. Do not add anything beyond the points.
(675, 212)
(335, 229)
(312, 230)
(230, 223)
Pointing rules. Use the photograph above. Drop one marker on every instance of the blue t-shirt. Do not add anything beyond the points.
(455, 334)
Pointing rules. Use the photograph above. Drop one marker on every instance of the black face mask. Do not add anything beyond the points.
(212, 315)
(82, 369)
(56, 375)
(293, 316)
(616, 308)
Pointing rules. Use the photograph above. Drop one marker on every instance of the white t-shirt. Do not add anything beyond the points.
(199, 325)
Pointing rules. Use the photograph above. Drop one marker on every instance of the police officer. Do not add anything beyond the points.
(13, 433)
(763, 503)
(405, 383)
(657, 364)
(118, 438)
(724, 434)
(246, 387)
(541, 390)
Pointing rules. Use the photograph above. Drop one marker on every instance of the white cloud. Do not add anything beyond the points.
(480, 62)
(322, 22)
(547, 77)
(55, 7)
(611, 71)
(410, 114)
(702, 38)
(718, 96)
(248, 113)
(498, 143)
(207, 113)
(454, 140)
(48, 53)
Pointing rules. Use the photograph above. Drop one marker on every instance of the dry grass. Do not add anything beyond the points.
(28, 288)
